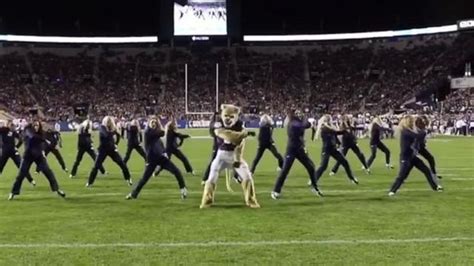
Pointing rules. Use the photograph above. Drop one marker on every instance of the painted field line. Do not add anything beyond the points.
(458, 168)
(31, 194)
(235, 243)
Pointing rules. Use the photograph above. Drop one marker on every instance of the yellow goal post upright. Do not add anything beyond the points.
(190, 112)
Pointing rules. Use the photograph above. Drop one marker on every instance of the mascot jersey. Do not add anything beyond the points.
(225, 145)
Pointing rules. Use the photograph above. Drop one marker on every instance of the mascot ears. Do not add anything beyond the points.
(230, 107)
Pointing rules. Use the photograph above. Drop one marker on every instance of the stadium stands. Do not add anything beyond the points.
(364, 76)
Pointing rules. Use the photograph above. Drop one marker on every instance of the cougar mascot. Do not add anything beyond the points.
(231, 140)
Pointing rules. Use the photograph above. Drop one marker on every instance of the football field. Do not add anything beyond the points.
(350, 225)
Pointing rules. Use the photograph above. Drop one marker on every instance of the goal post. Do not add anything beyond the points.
(186, 94)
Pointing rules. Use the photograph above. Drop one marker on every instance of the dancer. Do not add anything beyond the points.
(328, 135)
(409, 158)
(157, 157)
(34, 153)
(109, 138)
(8, 148)
(84, 145)
(134, 139)
(295, 149)
(349, 142)
(265, 141)
(375, 130)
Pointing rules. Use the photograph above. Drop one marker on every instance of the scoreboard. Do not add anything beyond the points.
(200, 17)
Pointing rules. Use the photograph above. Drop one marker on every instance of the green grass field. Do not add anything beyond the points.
(350, 225)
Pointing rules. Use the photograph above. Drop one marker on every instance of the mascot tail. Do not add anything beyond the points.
(228, 179)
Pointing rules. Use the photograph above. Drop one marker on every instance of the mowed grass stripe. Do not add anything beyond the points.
(239, 243)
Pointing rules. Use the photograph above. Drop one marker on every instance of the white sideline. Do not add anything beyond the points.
(237, 243)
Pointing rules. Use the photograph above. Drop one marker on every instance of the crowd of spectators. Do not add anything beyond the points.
(377, 77)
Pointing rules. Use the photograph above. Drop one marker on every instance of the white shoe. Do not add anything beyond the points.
(331, 173)
(184, 193)
(11, 196)
(367, 171)
(389, 166)
(391, 194)
(61, 193)
(317, 192)
(193, 173)
(309, 183)
(355, 181)
(129, 182)
(278, 169)
(88, 185)
(71, 176)
(275, 195)
(33, 183)
(129, 197)
(439, 188)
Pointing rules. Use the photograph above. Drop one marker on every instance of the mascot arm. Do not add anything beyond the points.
(234, 137)
(238, 154)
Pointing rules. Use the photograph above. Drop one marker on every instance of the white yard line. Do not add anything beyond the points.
(458, 168)
(235, 243)
(32, 194)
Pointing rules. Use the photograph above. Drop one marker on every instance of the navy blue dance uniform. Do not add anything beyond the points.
(34, 153)
(54, 138)
(349, 142)
(329, 149)
(265, 141)
(409, 159)
(376, 143)
(9, 150)
(174, 140)
(84, 145)
(296, 150)
(424, 152)
(107, 147)
(215, 144)
(157, 157)
(134, 139)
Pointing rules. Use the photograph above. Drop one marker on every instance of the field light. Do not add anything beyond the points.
(350, 36)
(59, 39)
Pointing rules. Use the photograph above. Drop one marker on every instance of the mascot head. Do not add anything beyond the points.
(109, 123)
(229, 114)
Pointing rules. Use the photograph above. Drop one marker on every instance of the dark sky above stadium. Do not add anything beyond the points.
(107, 17)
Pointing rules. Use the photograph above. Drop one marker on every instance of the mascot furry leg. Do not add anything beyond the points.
(208, 195)
(248, 186)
